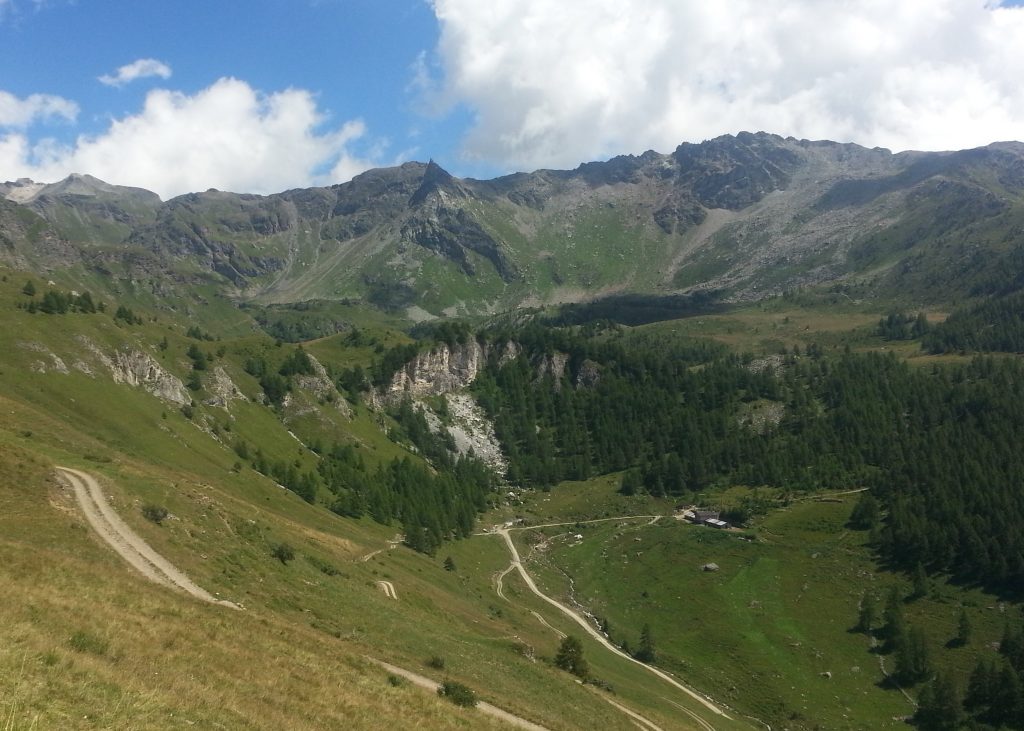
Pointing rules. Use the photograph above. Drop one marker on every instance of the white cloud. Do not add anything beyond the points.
(555, 83)
(15, 112)
(227, 136)
(141, 69)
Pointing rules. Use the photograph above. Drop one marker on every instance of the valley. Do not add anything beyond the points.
(417, 433)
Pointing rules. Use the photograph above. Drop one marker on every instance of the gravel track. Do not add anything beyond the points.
(126, 542)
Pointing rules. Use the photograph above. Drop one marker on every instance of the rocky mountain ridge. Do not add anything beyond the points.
(747, 215)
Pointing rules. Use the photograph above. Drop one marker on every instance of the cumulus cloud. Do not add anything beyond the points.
(552, 84)
(141, 69)
(227, 136)
(15, 112)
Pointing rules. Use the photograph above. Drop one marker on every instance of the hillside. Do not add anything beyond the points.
(745, 216)
(113, 393)
(359, 413)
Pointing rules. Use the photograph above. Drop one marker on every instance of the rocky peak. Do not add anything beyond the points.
(735, 171)
(436, 182)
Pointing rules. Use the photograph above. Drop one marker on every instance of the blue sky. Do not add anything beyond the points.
(267, 94)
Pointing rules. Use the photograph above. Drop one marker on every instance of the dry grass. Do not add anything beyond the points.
(88, 644)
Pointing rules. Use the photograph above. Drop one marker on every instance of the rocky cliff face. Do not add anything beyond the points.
(137, 368)
(438, 371)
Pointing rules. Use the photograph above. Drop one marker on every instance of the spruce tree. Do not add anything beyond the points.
(1008, 701)
(866, 513)
(981, 688)
(895, 625)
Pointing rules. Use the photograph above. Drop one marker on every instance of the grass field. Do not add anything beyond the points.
(761, 632)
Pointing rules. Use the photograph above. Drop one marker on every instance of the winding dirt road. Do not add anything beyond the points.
(582, 622)
(130, 546)
(126, 542)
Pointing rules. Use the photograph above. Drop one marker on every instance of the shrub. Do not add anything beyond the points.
(436, 662)
(325, 567)
(283, 552)
(156, 513)
(457, 693)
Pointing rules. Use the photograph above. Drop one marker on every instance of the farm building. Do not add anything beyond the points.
(700, 516)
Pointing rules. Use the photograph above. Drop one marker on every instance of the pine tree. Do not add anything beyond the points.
(646, 652)
(570, 657)
(866, 615)
(195, 382)
(963, 629)
(29, 290)
(913, 659)
(939, 707)
(920, 582)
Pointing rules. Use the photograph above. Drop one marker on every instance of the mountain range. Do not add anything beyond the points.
(743, 216)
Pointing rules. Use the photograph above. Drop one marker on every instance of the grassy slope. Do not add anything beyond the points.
(294, 659)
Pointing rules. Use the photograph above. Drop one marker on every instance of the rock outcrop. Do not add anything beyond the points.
(222, 389)
(321, 387)
(137, 368)
(441, 370)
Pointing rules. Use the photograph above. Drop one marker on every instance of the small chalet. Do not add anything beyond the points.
(700, 516)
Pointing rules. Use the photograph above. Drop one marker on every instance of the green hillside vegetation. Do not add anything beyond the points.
(774, 626)
(642, 418)
(935, 446)
(995, 325)
(117, 651)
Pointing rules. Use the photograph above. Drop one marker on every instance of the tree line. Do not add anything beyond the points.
(938, 447)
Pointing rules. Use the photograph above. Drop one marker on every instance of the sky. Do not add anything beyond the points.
(264, 95)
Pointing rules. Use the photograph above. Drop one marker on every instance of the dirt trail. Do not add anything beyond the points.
(126, 542)
(388, 588)
(424, 682)
(582, 622)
